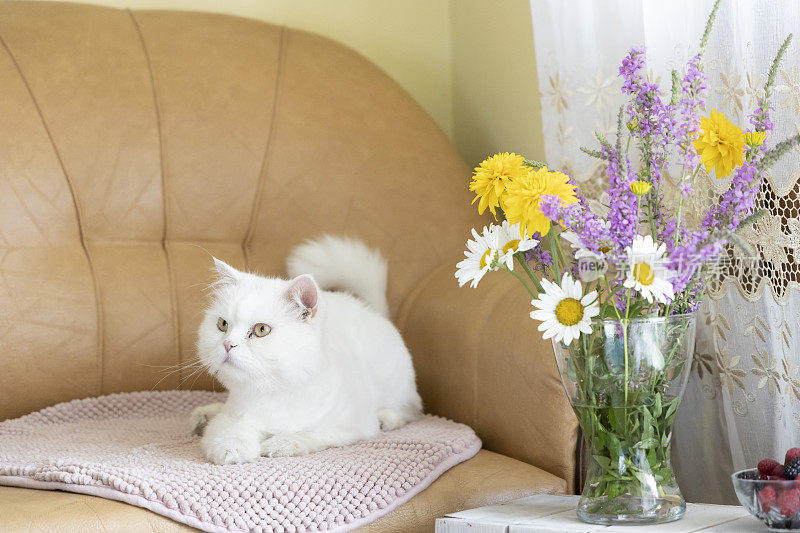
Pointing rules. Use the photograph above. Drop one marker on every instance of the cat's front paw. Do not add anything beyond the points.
(229, 450)
(283, 446)
(201, 416)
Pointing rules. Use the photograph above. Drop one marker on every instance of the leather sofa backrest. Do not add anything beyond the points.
(136, 144)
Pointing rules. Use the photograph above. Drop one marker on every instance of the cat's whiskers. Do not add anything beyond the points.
(198, 377)
(164, 368)
(197, 372)
(195, 364)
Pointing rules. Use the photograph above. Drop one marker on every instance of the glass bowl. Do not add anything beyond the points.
(776, 502)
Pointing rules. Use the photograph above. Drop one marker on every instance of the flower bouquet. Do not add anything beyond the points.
(615, 283)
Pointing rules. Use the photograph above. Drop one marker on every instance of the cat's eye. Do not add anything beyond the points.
(261, 330)
(222, 324)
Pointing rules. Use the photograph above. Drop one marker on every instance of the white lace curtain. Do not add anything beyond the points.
(743, 398)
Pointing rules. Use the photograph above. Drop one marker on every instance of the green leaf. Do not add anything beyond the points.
(673, 407)
(657, 407)
(613, 444)
(603, 461)
(647, 422)
(647, 443)
(651, 456)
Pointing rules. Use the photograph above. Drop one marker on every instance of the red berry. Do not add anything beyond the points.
(789, 502)
(766, 498)
(777, 471)
(793, 453)
(765, 477)
(765, 466)
(797, 483)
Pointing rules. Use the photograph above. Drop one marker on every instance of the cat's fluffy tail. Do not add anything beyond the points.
(344, 264)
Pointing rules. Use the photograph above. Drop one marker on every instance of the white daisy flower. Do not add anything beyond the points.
(510, 240)
(564, 311)
(480, 254)
(646, 273)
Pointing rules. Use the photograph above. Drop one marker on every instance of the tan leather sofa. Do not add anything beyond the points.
(135, 144)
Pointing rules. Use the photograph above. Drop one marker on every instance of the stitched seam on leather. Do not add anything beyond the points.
(76, 204)
(265, 160)
(173, 293)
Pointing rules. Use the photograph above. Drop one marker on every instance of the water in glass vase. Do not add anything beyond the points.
(625, 381)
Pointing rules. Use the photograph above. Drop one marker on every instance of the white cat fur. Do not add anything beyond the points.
(332, 370)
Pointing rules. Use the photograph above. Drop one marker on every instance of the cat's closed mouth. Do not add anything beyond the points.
(230, 361)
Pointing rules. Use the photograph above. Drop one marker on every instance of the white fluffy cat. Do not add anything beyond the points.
(306, 369)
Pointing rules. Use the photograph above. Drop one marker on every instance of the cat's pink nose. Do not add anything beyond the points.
(227, 344)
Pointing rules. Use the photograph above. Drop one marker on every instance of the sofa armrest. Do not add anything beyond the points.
(480, 360)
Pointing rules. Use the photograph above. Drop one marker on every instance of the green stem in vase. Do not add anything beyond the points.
(625, 351)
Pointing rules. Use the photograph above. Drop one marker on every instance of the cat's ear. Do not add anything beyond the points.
(226, 273)
(304, 292)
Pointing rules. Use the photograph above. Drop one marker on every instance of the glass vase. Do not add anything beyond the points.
(625, 381)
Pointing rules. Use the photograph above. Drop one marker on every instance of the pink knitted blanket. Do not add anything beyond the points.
(136, 448)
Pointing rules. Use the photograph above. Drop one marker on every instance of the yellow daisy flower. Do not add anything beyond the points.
(754, 138)
(492, 177)
(720, 144)
(640, 188)
(523, 196)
